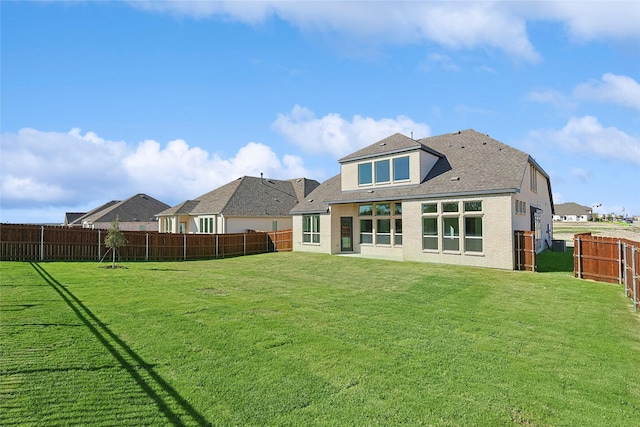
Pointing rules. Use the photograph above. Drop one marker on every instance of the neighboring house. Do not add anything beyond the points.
(572, 212)
(247, 203)
(136, 213)
(455, 198)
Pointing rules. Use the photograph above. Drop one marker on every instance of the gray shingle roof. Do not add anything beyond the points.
(140, 207)
(395, 143)
(470, 163)
(248, 196)
(572, 209)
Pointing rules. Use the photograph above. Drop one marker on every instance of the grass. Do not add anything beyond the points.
(305, 339)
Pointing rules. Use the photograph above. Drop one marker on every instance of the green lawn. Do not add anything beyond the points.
(302, 339)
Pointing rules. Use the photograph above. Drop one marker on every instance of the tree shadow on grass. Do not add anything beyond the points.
(555, 262)
(174, 407)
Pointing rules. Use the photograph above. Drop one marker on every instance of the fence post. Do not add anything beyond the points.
(99, 246)
(625, 279)
(146, 252)
(635, 278)
(42, 243)
(578, 258)
(184, 246)
(244, 244)
(216, 246)
(620, 264)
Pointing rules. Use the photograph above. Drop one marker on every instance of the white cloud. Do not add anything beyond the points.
(455, 25)
(621, 90)
(338, 137)
(43, 169)
(586, 136)
(591, 20)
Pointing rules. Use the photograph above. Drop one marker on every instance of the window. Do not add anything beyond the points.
(382, 171)
(364, 174)
(384, 227)
(450, 207)
(521, 207)
(534, 178)
(366, 231)
(397, 236)
(455, 228)
(430, 233)
(206, 225)
(429, 208)
(366, 210)
(167, 225)
(401, 169)
(451, 234)
(383, 209)
(311, 228)
(397, 211)
(473, 206)
(473, 234)
(383, 231)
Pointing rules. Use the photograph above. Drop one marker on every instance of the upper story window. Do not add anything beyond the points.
(365, 175)
(383, 172)
(401, 168)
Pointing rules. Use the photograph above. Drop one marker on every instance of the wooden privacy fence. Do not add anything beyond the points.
(607, 259)
(525, 247)
(20, 242)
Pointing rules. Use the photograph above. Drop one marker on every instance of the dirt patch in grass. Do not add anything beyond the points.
(566, 230)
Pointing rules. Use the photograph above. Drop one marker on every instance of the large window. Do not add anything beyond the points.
(458, 232)
(311, 228)
(206, 225)
(381, 223)
(383, 173)
(365, 175)
(401, 168)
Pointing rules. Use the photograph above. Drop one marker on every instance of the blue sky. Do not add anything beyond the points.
(103, 100)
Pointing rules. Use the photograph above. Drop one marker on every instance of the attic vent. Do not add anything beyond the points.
(455, 178)
(484, 143)
(369, 191)
(310, 200)
(276, 200)
(383, 144)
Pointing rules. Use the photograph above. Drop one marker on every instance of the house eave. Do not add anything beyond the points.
(424, 196)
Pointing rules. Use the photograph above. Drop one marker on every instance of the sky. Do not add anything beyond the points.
(101, 100)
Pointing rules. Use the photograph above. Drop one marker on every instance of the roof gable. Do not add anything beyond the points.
(396, 143)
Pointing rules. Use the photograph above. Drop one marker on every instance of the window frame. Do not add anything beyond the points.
(385, 170)
(361, 166)
(311, 229)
